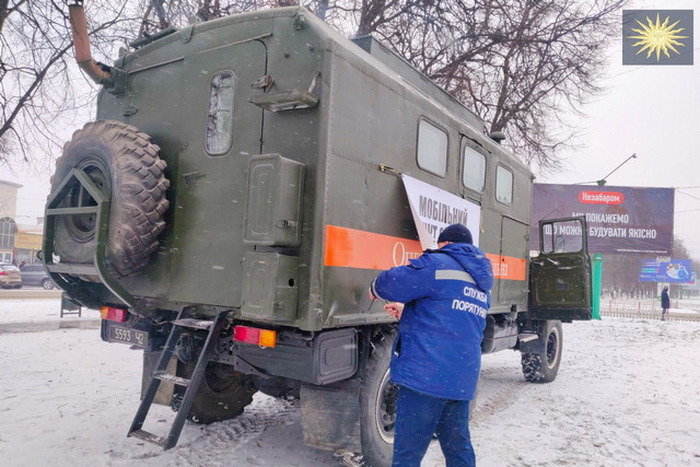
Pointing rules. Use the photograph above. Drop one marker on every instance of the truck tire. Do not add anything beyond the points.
(223, 395)
(122, 161)
(542, 367)
(378, 407)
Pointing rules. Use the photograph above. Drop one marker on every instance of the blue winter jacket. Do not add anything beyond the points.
(446, 293)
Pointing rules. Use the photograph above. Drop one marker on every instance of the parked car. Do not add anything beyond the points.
(10, 277)
(35, 274)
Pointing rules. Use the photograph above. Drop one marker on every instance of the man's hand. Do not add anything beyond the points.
(395, 309)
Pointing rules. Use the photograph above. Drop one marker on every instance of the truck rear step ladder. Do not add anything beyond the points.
(214, 328)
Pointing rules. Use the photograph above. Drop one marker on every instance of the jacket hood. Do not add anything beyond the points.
(473, 260)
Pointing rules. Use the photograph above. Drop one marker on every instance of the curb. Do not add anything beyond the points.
(41, 326)
(15, 294)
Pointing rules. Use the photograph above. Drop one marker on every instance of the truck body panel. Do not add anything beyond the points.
(370, 106)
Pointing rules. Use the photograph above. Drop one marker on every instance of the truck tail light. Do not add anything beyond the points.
(114, 314)
(262, 337)
(3, 273)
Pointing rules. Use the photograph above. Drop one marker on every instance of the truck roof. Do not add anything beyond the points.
(381, 57)
(368, 43)
(418, 79)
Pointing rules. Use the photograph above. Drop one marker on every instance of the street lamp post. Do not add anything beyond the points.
(603, 181)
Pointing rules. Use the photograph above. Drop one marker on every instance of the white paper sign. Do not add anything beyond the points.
(434, 209)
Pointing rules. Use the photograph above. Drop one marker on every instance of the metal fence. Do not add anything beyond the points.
(643, 309)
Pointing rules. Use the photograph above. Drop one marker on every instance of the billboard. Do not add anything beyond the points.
(677, 270)
(620, 219)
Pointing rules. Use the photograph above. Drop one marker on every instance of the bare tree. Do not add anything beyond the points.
(38, 82)
(521, 65)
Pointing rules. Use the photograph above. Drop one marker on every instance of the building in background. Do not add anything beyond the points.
(19, 243)
(28, 241)
(8, 212)
(8, 199)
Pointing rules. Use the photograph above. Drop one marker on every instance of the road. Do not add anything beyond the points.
(626, 395)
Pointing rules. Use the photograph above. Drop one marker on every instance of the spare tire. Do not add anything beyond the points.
(123, 162)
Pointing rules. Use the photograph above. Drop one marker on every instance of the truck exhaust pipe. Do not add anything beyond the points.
(81, 45)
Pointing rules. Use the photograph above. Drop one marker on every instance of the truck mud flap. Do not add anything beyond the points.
(330, 415)
(330, 357)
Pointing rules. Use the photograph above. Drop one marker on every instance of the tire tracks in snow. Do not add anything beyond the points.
(499, 388)
(214, 444)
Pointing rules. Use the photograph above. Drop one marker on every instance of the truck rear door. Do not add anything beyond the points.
(560, 276)
(224, 131)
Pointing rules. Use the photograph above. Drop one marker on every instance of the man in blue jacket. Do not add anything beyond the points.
(441, 299)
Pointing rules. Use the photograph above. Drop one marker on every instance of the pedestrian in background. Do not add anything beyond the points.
(441, 299)
(665, 303)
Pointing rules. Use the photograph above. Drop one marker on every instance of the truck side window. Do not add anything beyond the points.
(473, 169)
(432, 148)
(504, 185)
(220, 116)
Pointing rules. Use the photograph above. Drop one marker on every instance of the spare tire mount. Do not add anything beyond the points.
(106, 210)
(99, 268)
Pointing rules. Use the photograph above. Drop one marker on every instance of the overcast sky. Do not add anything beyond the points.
(653, 111)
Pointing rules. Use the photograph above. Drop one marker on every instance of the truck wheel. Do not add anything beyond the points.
(223, 395)
(121, 161)
(542, 367)
(378, 407)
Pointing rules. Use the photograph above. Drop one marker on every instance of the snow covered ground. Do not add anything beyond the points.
(34, 314)
(37, 310)
(627, 394)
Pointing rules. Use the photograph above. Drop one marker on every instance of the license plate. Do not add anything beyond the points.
(127, 335)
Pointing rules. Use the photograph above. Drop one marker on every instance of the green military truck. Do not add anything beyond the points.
(244, 181)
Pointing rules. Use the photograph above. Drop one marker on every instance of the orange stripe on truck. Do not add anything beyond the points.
(352, 248)
(508, 267)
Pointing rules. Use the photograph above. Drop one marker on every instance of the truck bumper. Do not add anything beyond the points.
(325, 358)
